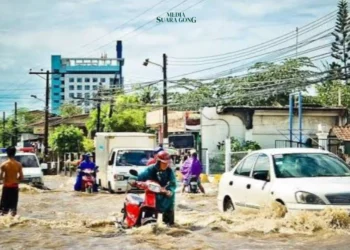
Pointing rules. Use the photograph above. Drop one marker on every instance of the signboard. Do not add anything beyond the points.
(181, 141)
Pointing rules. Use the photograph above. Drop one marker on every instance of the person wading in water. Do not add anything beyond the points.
(11, 174)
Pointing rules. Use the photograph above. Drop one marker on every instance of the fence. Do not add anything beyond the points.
(214, 162)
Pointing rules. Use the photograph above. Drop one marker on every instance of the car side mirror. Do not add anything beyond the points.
(263, 176)
(43, 166)
(110, 162)
(133, 172)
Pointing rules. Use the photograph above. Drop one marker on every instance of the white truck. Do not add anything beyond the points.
(117, 153)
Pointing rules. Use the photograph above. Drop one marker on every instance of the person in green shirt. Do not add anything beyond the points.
(164, 175)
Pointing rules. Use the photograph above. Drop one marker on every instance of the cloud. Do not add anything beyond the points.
(65, 26)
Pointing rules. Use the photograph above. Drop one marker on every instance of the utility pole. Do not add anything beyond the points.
(165, 99)
(47, 99)
(3, 129)
(14, 141)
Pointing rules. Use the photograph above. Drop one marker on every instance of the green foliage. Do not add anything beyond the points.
(328, 93)
(267, 79)
(128, 116)
(88, 144)
(66, 139)
(69, 109)
(341, 45)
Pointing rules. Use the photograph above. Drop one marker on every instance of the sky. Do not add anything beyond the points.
(32, 31)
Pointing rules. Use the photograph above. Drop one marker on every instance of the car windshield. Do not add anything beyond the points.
(27, 161)
(133, 157)
(301, 165)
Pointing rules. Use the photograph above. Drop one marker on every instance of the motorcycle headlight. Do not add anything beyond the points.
(119, 177)
(154, 188)
(308, 198)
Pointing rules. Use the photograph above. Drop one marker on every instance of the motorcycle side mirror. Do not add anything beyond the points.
(133, 172)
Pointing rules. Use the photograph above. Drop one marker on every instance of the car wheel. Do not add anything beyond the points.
(110, 188)
(228, 205)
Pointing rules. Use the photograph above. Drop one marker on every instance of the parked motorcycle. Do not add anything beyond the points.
(138, 211)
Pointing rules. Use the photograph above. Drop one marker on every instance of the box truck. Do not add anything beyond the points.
(117, 153)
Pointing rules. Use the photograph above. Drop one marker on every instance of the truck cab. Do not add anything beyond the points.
(117, 153)
(32, 170)
(121, 161)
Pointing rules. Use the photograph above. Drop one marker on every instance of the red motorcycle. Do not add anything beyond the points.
(138, 211)
(88, 180)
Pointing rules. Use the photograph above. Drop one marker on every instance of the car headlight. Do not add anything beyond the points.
(154, 188)
(119, 177)
(308, 198)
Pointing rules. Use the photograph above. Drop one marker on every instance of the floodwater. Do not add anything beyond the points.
(63, 219)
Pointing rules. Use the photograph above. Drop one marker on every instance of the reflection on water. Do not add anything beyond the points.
(63, 219)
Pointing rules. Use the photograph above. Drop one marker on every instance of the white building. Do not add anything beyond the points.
(269, 126)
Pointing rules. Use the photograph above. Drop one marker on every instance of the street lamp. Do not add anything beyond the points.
(165, 100)
(35, 97)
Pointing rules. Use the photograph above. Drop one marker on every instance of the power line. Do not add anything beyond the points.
(123, 24)
(327, 17)
(137, 28)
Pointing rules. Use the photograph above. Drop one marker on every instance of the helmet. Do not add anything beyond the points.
(163, 157)
(157, 150)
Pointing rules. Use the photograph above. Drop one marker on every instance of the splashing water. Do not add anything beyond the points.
(64, 218)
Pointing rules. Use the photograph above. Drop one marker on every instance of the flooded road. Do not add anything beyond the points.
(63, 219)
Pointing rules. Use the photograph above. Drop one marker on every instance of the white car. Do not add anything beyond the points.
(32, 170)
(298, 178)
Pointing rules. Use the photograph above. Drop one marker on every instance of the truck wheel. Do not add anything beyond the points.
(110, 188)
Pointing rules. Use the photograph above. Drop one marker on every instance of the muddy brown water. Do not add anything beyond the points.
(63, 219)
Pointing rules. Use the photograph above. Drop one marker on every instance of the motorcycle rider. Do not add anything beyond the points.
(192, 166)
(164, 175)
(85, 164)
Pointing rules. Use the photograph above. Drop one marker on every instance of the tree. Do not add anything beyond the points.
(265, 84)
(66, 139)
(88, 144)
(148, 95)
(129, 115)
(69, 109)
(328, 93)
(341, 45)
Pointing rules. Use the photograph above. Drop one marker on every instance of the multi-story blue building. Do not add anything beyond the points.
(79, 78)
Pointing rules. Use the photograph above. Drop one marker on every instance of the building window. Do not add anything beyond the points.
(79, 87)
(87, 103)
(87, 79)
(79, 95)
(103, 79)
(71, 95)
(111, 80)
(56, 94)
(87, 95)
(71, 87)
(62, 97)
(56, 101)
(56, 86)
(79, 80)
(56, 78)
(71, 79)
(94, 79)
(79, 103)
(87, 87)
(94, 87)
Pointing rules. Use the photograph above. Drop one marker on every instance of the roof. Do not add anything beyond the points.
(54, 121)
(276, 151)
(228, 108)
(342, 133)
(122, 134)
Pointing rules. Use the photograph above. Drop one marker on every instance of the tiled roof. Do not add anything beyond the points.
(342, 133)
